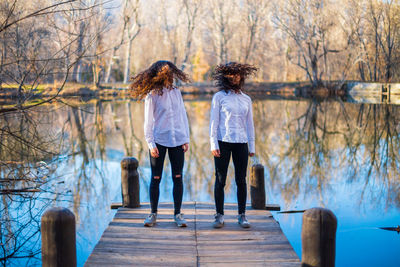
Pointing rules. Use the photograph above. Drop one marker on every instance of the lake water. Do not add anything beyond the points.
(332, 154)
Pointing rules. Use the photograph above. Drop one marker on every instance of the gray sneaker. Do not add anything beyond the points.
(179, 220)
(150, 220)
(242, 220)
(219, 220)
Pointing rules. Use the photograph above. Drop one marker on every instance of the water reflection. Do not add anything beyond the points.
(27, 163)
(333, 154)
(310, 145)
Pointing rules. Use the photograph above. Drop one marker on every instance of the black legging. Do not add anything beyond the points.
(240, 153)
(176, 157)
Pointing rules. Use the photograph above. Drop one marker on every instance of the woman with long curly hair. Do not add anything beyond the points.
(231, 132)
(166, 128)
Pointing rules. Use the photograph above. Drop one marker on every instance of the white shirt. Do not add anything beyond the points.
(231, 120)
(165, 119)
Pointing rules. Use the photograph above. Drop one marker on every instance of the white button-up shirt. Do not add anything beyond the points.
(231, 120)
(165, 119)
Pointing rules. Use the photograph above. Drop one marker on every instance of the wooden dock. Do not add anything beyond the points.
(126, 242)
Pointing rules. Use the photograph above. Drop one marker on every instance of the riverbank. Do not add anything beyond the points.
(354, 89)
(121, 90)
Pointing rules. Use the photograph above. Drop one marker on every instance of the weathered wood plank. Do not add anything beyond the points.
(268, 257)
(253, 264)
(148, 259)
(276, 239)
(139, 241)
(243, 253)
(160, 252)
(127, 242)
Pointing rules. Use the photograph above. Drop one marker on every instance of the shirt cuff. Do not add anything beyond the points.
(151, 145)
(214, 144)
(252, 147)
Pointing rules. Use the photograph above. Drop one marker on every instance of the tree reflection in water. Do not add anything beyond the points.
(70, 153)
(27, 163)
(309, 143)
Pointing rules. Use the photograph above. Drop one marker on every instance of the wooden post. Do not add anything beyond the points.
(58, 238)
(130, 183)
(318, 238)
(257, 187)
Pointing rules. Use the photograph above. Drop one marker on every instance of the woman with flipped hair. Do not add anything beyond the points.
(231, 132)
(166, 128)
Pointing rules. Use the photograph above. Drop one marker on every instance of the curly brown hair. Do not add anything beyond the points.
(224, 82)
(158, 76)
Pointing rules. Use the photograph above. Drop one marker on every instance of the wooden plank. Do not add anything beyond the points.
(274, 207)
(395, 88)
(276, 239)
(115, 206)
(149, 259)
(127, 242)
(161, 252)
(143, 241)
(249, 258)
(253, 264)
(262, 251)
(364, 88)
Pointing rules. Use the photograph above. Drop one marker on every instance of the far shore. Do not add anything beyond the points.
(287, 89)
(121, 90)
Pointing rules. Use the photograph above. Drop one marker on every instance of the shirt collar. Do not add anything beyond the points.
(231, 92)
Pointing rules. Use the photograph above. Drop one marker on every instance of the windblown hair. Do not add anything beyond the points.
(156, 78)
(222, 72)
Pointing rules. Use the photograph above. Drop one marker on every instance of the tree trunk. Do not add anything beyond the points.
(127, 61)
(3, 57)
(109, 67)
(95, 74)
(314, 68)
(76, 75)
(187, 51)
(250, 43)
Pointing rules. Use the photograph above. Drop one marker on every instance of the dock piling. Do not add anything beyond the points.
(257, 187)
(318, 238)
(58, 238)
(130, 183)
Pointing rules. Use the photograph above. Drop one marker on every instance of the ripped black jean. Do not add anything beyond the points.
(240, 154)
(176, 157)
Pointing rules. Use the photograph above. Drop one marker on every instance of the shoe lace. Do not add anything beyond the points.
(218, 216)
(179, 216)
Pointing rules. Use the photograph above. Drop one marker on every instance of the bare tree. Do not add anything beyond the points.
(116, 47)
(38, 46)
(133, 26)
(373, 28)
(192, 12)
(255, 12)
(308, 24)
(385, 19)
(222, 27)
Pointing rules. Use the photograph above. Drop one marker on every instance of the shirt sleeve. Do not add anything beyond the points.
(250, 130)
(149, 121)
(185, 118)
(214, 122)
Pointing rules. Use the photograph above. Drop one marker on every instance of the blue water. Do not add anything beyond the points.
(346, 170)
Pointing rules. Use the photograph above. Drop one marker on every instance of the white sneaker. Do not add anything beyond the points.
(242, 220)
(150, 220)
(179, 220)
(219, 220)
